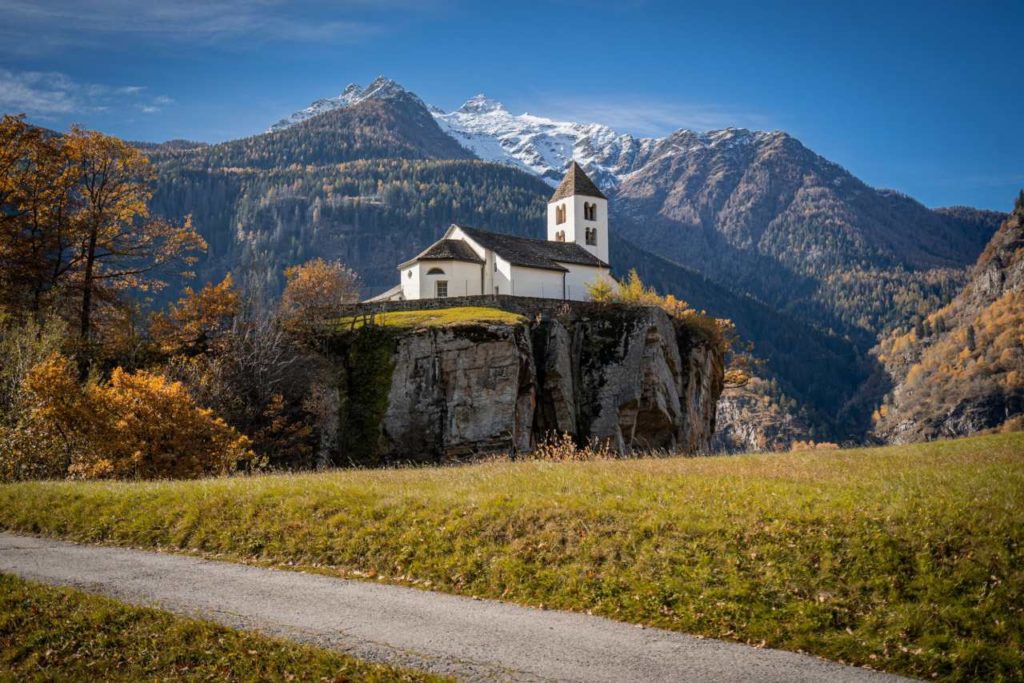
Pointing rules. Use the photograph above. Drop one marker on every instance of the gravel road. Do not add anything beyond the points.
(472, 640)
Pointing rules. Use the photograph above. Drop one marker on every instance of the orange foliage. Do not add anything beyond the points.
(138, 425)
(317, 290)
(198, 320)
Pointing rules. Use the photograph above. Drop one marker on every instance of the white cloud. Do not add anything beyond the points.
(48, 94)
(59, 23)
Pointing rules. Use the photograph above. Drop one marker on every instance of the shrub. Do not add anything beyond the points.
(563, 448)
(138, 425)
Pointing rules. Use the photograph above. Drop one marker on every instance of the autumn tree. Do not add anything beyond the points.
(120, 245)
(315, 291)
(199, 321)
(37, 196)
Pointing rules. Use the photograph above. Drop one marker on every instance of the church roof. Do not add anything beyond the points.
(576, 182)
(450, 250)
(532, 253)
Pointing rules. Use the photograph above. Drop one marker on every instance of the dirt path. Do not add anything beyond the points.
(470, 639)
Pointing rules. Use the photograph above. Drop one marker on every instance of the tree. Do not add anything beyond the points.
(37, 184)
(316, 291)
(120, 247)
(199, 321)
(137, 425)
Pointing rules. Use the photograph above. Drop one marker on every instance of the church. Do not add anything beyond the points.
(469, 261)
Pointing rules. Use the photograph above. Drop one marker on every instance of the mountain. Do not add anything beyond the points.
(764, 214)
(535, 144)
(811, 263)
(960, 370)
(544, 146)
(380, 89)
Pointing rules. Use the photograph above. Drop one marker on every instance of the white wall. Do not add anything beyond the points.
(578, 277)
(463, 278)
(569, 226)
(536, 282)
(410, 278)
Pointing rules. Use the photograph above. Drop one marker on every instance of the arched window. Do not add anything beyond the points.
(560, 214)
(435, 271)
(592, 237)
(590, 211)
(560, 236)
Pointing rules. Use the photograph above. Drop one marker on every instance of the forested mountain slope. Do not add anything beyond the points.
(765, 215)
(961, 369)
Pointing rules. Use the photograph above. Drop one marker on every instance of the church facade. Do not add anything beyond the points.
(470, 261)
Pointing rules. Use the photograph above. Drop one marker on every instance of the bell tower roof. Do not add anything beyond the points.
(576, 182)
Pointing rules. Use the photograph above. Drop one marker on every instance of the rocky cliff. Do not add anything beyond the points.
(632, 377)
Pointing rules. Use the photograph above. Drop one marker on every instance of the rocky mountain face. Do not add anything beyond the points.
(380, 89)
(811, 263)
(960, 370)
(630, 377)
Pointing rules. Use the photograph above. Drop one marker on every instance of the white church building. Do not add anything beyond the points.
(471, 262)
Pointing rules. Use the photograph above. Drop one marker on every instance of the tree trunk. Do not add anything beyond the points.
(86, 321)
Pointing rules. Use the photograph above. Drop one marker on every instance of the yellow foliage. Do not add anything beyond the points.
(198, 319)
(316, 291)
(138, 425)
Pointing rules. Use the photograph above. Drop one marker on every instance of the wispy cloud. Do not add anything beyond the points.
(650, 117)
(48, 94)
(89, 22)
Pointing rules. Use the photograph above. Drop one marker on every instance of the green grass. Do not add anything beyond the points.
(908, 559)
(440, 317)
(49, 634)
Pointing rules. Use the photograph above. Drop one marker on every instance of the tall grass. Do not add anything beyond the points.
(907, 558)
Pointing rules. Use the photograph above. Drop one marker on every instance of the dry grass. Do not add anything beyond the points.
(909, 559)
(440, 317)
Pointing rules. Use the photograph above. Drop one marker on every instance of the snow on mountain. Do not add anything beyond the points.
(380, 89)
(541, 145)
(536, 144)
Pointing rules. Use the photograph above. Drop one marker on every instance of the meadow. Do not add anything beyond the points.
(908, 559)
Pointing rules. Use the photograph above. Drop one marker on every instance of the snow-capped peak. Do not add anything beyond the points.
(481, 104)
(541, 145)
(380, 88)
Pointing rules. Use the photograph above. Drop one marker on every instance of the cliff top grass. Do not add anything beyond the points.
(441, 317)
(908, 559)
(59, 634)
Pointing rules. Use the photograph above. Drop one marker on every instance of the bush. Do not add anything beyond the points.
(138, 425)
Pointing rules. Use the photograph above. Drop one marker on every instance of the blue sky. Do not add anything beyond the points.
(923, 97)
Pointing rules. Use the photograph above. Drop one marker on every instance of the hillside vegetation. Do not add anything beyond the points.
(59, 634)
(960, 370)
(907, 559)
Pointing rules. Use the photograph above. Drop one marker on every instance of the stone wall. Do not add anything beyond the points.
(630, 376)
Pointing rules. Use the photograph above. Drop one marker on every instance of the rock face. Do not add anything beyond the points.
(631, 377)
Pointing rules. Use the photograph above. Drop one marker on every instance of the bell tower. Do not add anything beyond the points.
(578, 212)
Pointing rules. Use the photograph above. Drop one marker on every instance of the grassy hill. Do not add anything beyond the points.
(907, 559)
